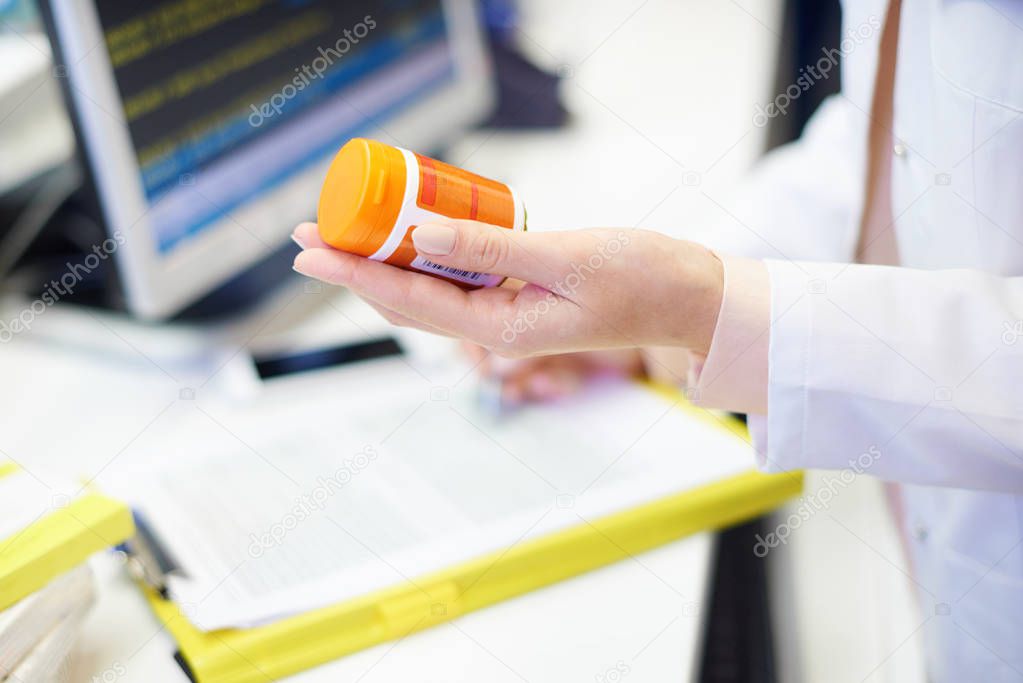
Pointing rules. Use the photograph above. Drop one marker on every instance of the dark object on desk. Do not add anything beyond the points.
(527, 96)
(185, 668)
(148, 558)
(316, 359)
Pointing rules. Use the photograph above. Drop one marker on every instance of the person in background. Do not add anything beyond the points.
(867, 294)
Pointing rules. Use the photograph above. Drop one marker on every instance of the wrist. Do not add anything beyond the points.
(666, 364)
(711, 292)
(694, 297)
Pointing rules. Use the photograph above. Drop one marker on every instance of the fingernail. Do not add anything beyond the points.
(295, 267)
(434, 239)
(297, 241)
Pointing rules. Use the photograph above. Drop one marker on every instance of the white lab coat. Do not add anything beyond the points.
(923, 363)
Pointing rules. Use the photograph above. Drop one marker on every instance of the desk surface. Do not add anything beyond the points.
(95, 404)
(656, 119)
(645, 613)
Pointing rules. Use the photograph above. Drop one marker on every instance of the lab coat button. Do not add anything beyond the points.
(899, 149)
(920, 533)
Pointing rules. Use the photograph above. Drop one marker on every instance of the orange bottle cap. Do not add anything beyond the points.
(361, 196)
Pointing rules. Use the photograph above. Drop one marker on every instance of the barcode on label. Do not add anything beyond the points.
(467, 276)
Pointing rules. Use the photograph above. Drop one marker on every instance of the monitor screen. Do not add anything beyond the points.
(225, 99)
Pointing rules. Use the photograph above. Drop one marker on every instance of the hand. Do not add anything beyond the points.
(585, 289)
(549, 378)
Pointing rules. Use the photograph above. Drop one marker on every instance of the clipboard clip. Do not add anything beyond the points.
(147, 559)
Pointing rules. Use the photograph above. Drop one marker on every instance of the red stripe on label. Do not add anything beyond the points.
(475, 205)
(428, 191)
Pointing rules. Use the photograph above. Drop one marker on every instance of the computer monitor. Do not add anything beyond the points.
(207, 125)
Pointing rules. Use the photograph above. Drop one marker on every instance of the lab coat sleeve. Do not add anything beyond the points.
(801, 200)
(909, 375)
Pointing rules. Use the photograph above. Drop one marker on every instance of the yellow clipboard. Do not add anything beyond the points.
(58, 542)
(285, 647)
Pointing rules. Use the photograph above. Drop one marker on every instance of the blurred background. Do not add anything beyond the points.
(155, 158)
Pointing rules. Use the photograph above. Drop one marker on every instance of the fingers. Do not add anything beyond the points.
(552, 377)
(479, 247)
(535, 379)
(544, 384)
(479, 356)
(468, 245)
(307, 235)
(544, 379)
(414, 296)
(401, 321)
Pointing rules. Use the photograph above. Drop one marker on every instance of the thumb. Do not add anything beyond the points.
(484, 248)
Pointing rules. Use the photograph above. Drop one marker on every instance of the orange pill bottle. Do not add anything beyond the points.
(374, 195)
